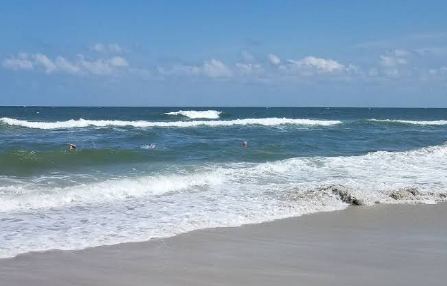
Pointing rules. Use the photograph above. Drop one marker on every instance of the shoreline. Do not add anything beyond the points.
(382, 244)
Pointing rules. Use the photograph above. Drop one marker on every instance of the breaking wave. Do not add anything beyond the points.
(218, 195)
(82, 123)
(374, 177)
(194, 114)
(410, 122)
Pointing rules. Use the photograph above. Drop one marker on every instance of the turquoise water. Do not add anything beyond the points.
(141, 173)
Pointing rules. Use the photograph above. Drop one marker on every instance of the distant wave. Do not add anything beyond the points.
(82, 123)
(194, 114)
(411, 122)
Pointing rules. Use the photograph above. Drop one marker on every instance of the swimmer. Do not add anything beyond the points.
(245, 144)
(71, 146)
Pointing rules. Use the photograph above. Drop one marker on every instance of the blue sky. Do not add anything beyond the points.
(224, 53)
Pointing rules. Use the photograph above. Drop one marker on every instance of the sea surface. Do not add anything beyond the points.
(144, 173)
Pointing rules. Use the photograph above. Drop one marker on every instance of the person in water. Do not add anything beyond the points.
(245, 144)
(71, 146)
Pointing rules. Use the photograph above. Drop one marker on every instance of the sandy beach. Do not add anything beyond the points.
(223, 143)
(380, 245)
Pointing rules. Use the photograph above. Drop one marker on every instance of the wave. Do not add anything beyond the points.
(218, 195)
(410, 122)
(35, 197)
(373, 174)
(82, 123)
(194, 114)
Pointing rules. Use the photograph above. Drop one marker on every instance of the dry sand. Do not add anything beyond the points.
(380, 245)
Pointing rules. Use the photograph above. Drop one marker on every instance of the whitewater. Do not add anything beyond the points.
(414, 122)
(224, 195)
(194, 114)
(82, 123)
(145, 173)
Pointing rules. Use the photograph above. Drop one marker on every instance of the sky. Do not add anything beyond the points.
(224, 53)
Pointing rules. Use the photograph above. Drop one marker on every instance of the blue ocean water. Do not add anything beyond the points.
(143, 173)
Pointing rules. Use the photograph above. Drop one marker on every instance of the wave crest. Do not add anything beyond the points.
(83, 123)
(194, 114)
(410, 122)
(102, 192)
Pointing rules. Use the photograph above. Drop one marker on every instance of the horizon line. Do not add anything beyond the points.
(216, 106)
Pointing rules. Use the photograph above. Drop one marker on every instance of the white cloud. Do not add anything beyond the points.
(312, 65)
(20, 63)
(44, 61)
(277, 70)
(274, 59)
(104, 48)
(215, 68)
(250, 69)
(326, 65)
(101, 66)
(81, 65)
(392, 64)
(212, 68)
(118, 62)
(63, 65)
(389, 61)
(394, 59)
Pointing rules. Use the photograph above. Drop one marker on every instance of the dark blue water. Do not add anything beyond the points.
(139, 173)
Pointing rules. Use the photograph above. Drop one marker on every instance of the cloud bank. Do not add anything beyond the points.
(79, 66)
(270, 68)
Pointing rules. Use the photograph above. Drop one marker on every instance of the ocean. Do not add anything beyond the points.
(144, 173)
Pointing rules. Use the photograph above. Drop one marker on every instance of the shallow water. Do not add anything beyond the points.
(140, 173)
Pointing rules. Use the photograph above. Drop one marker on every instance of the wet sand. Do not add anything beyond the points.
(380, 245)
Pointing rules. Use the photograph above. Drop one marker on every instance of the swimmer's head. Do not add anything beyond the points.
(71, 146)
(245, 144)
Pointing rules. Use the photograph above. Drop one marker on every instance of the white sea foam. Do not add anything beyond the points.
(194, 114)
(18, 198)
(82, 123)
(411, 122)
(148, 147)
(35, 218)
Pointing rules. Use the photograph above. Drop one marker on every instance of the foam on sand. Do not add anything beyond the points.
(313, 250)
